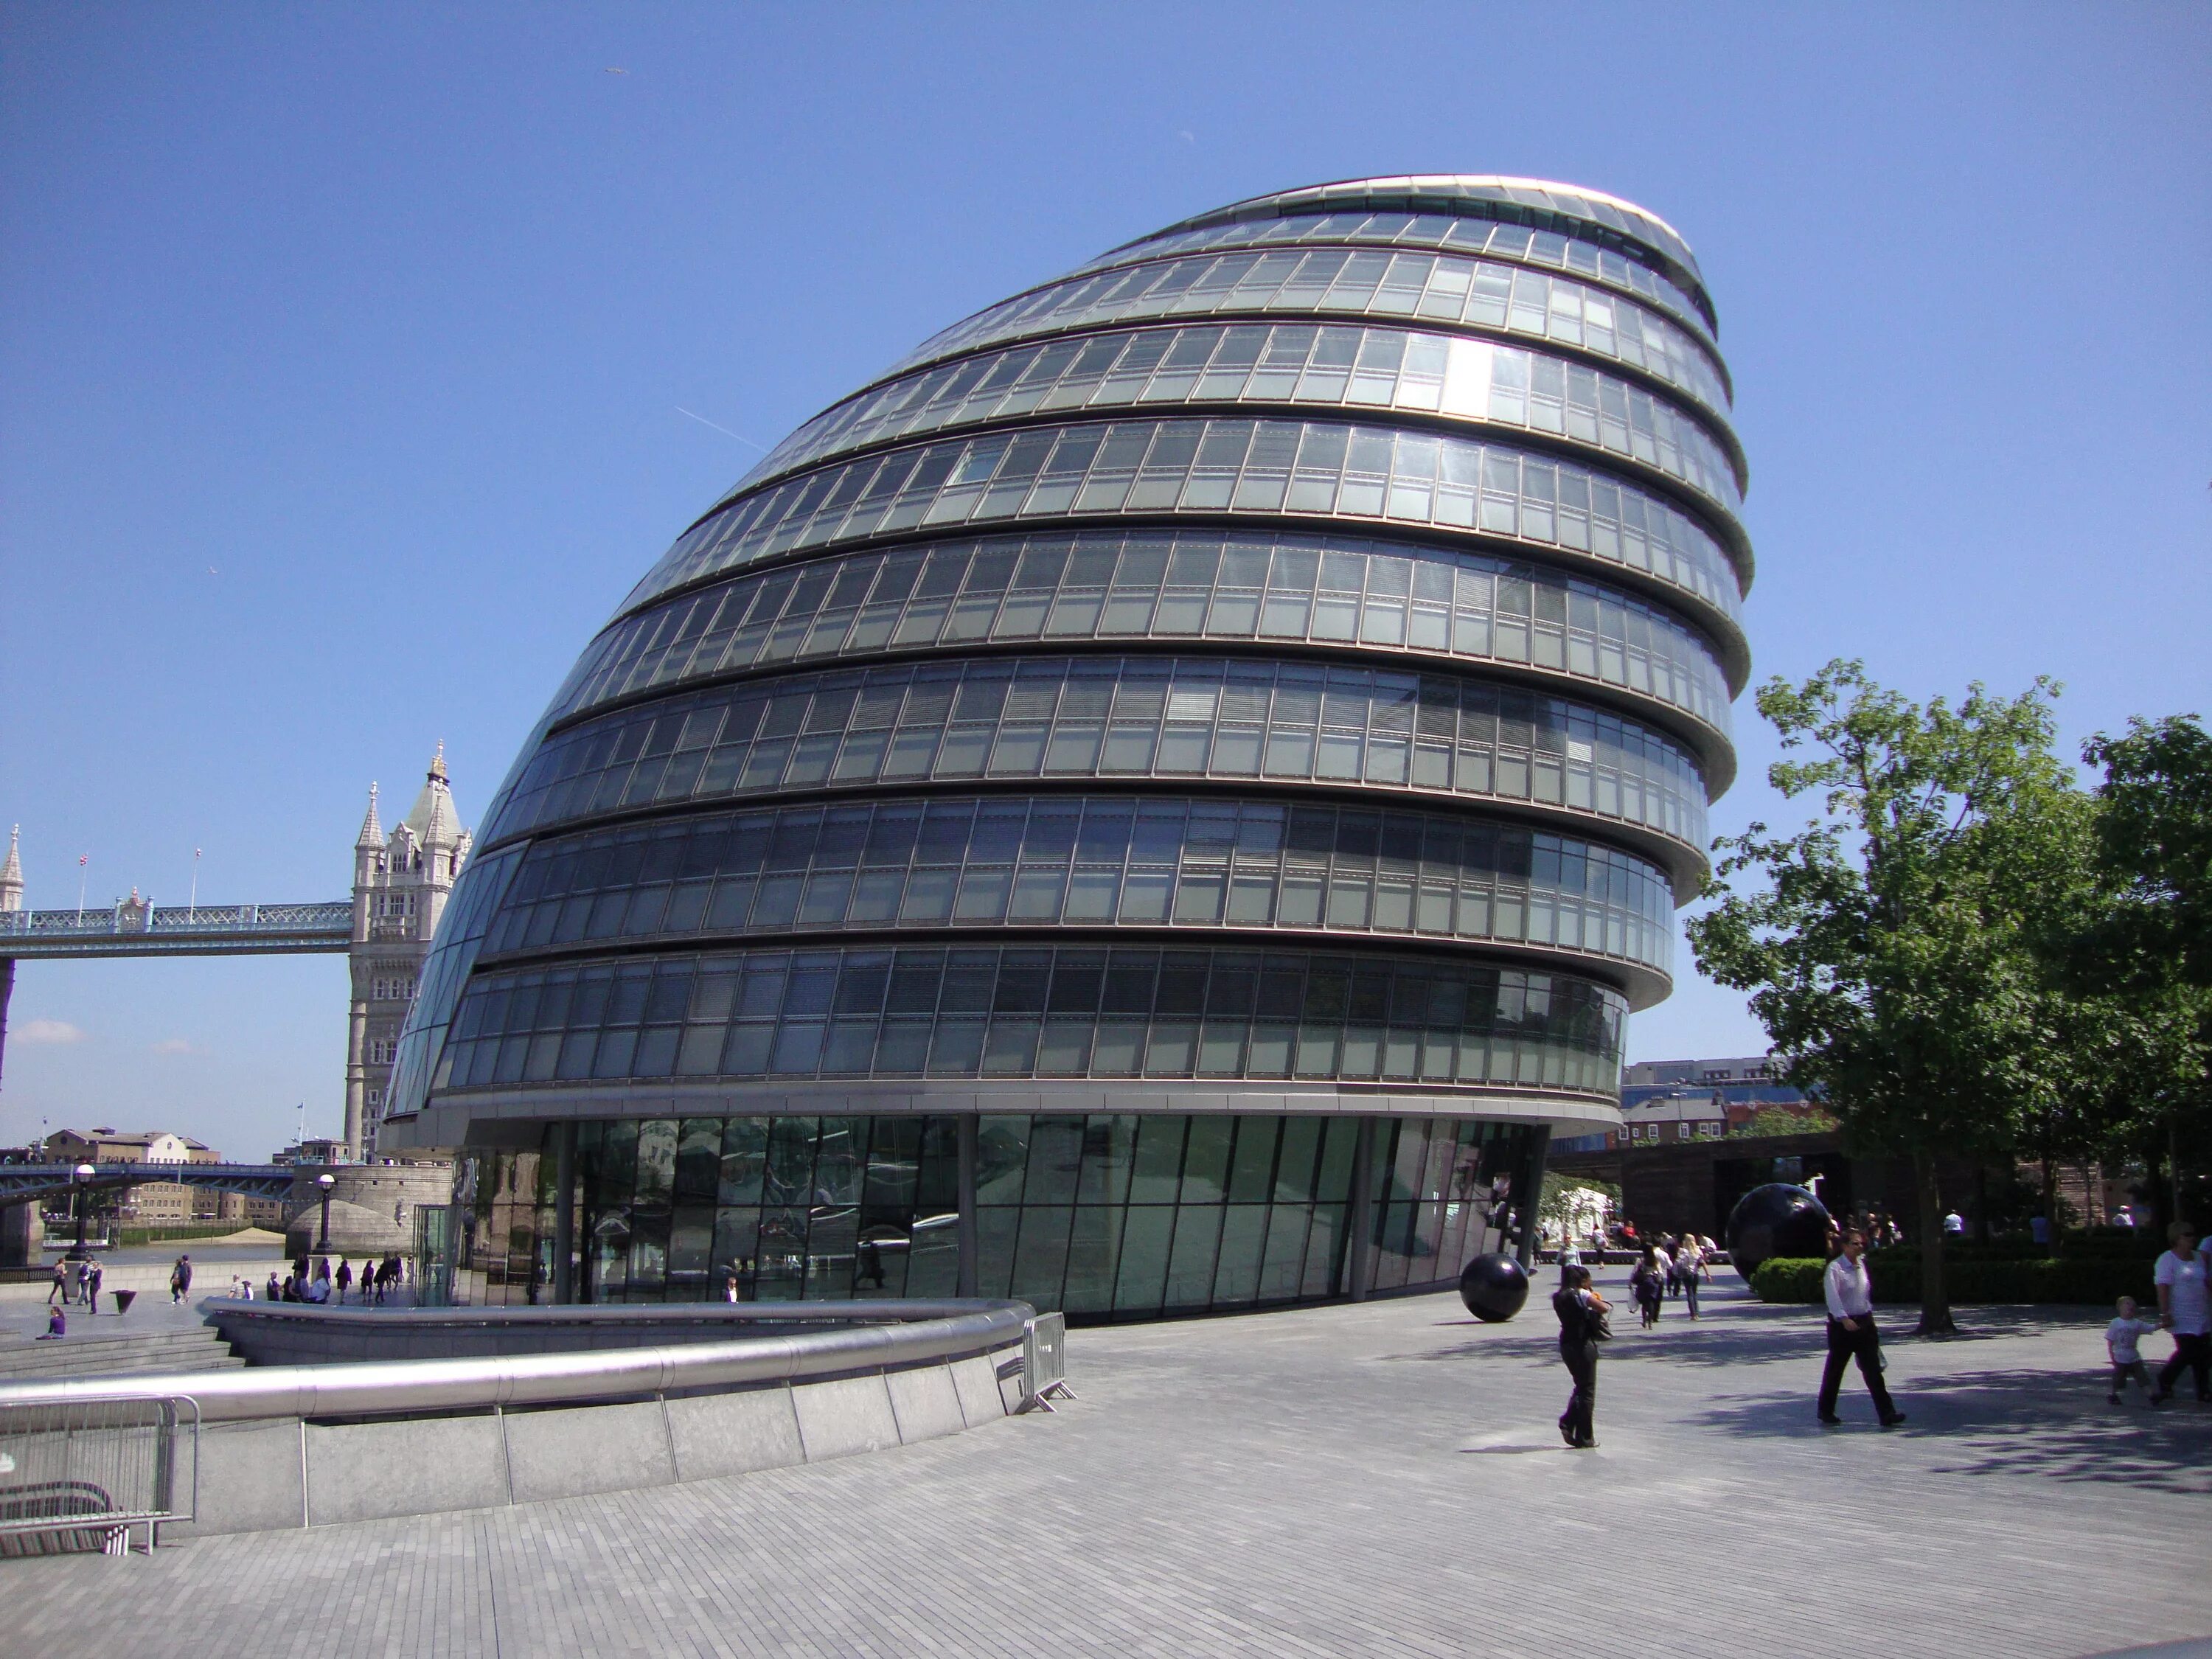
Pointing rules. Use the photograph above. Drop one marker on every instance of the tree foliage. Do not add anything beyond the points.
(1886, 949)
(2155, 849)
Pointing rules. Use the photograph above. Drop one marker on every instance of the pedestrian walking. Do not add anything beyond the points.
(1689, 1266)
(94, 1277)
(345, 1281)
(1582, 1325)
(1648, 1284)
(180, 1281)
(2120, 1337)
(1852, 1334)
(2184, 1308)
(58, 1290)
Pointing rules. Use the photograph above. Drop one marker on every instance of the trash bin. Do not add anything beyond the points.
(123, 1301)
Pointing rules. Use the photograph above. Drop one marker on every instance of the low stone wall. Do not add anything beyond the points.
(288, 1333)
(268, 1474)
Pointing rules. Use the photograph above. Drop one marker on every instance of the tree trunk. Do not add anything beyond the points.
(2050, 1207)
(1981, 1204)
(1935, 1303)
(2174, 1205)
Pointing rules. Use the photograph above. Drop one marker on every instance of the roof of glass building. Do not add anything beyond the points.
(1473, 195)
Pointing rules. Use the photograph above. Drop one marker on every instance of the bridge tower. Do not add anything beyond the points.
(11, 898)
(400, 886)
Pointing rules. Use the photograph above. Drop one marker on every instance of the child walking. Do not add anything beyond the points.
(2120, 1337)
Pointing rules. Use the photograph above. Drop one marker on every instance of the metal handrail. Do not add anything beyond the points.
(387, 1387)
(112, 1471)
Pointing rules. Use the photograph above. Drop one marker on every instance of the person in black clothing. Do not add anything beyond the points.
(1583, 1326)
(1648, 1285)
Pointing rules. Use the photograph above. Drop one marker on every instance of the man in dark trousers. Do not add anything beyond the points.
(1852, 1334)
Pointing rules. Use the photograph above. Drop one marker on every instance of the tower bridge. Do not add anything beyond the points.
(400, 883)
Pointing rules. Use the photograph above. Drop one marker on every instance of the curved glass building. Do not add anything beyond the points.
(1161, 802)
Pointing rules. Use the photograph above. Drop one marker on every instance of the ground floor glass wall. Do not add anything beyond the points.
(1110, 1215)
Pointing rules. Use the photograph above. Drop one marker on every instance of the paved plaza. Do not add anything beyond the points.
(1378, 1480)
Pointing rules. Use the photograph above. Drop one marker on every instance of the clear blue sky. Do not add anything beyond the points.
(341, 349)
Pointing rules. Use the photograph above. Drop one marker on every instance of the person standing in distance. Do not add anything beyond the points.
(2184, 1308)
(1852, 1334)
(1583, 1326)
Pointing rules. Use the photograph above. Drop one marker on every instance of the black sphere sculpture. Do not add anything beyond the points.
(1776, 1220)
(1494, 1286)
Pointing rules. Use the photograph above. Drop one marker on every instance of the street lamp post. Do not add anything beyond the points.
(325, 1181)
(82, 1175)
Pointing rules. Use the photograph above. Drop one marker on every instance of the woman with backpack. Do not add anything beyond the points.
(1583, 1326)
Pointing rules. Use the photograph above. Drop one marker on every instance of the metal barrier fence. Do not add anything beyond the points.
(78, 1474)
(1045, 1360)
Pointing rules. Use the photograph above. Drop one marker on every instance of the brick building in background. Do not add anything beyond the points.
(153, 1203)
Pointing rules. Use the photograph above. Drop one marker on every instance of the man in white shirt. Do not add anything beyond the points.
(2184, 1306)
(1852, 1334)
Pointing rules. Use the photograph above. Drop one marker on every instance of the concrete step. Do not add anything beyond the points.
(195, 1348)
(60, 1366)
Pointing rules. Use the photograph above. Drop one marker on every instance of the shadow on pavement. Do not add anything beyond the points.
(2030, 1423)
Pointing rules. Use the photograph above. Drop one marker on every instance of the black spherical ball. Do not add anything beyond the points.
(1494, 1287)
(1776, 1220)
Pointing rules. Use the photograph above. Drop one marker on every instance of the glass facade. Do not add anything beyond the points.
(1158, 804)
(1007, 1011)
(1522, 247)
(1096, 861)
(1101, 1215)
(1344, 597)
(1464, 380)
(1163, 468)
(1084, 718)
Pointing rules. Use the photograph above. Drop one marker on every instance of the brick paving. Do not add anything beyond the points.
(1380, 1479)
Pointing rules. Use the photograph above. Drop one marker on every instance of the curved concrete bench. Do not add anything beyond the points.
(420, 1436)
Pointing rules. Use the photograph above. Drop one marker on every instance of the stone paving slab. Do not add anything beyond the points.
(1379, 1479)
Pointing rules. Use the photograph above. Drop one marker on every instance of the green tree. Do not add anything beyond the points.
(2137, 938)
(1886, 949)
(2155, 849)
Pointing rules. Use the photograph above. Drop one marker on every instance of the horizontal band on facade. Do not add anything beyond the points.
(1528, 252)
(1262, 460)
(1063, 723)
(1266, 473)
(1121, 865)
(1311, 358)
(1218, 591)
(1537, 203)
(515, 1117)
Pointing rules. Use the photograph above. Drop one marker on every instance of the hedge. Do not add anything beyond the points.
(2083, 1284)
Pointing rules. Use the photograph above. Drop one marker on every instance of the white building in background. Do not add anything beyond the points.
(400, 886)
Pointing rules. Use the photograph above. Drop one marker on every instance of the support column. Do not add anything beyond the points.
(1529, 1197)
(356, 1091)
(1360, 1224)
(23, 1236)
(7, 990)
(968, 1236)
(564, 1213)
